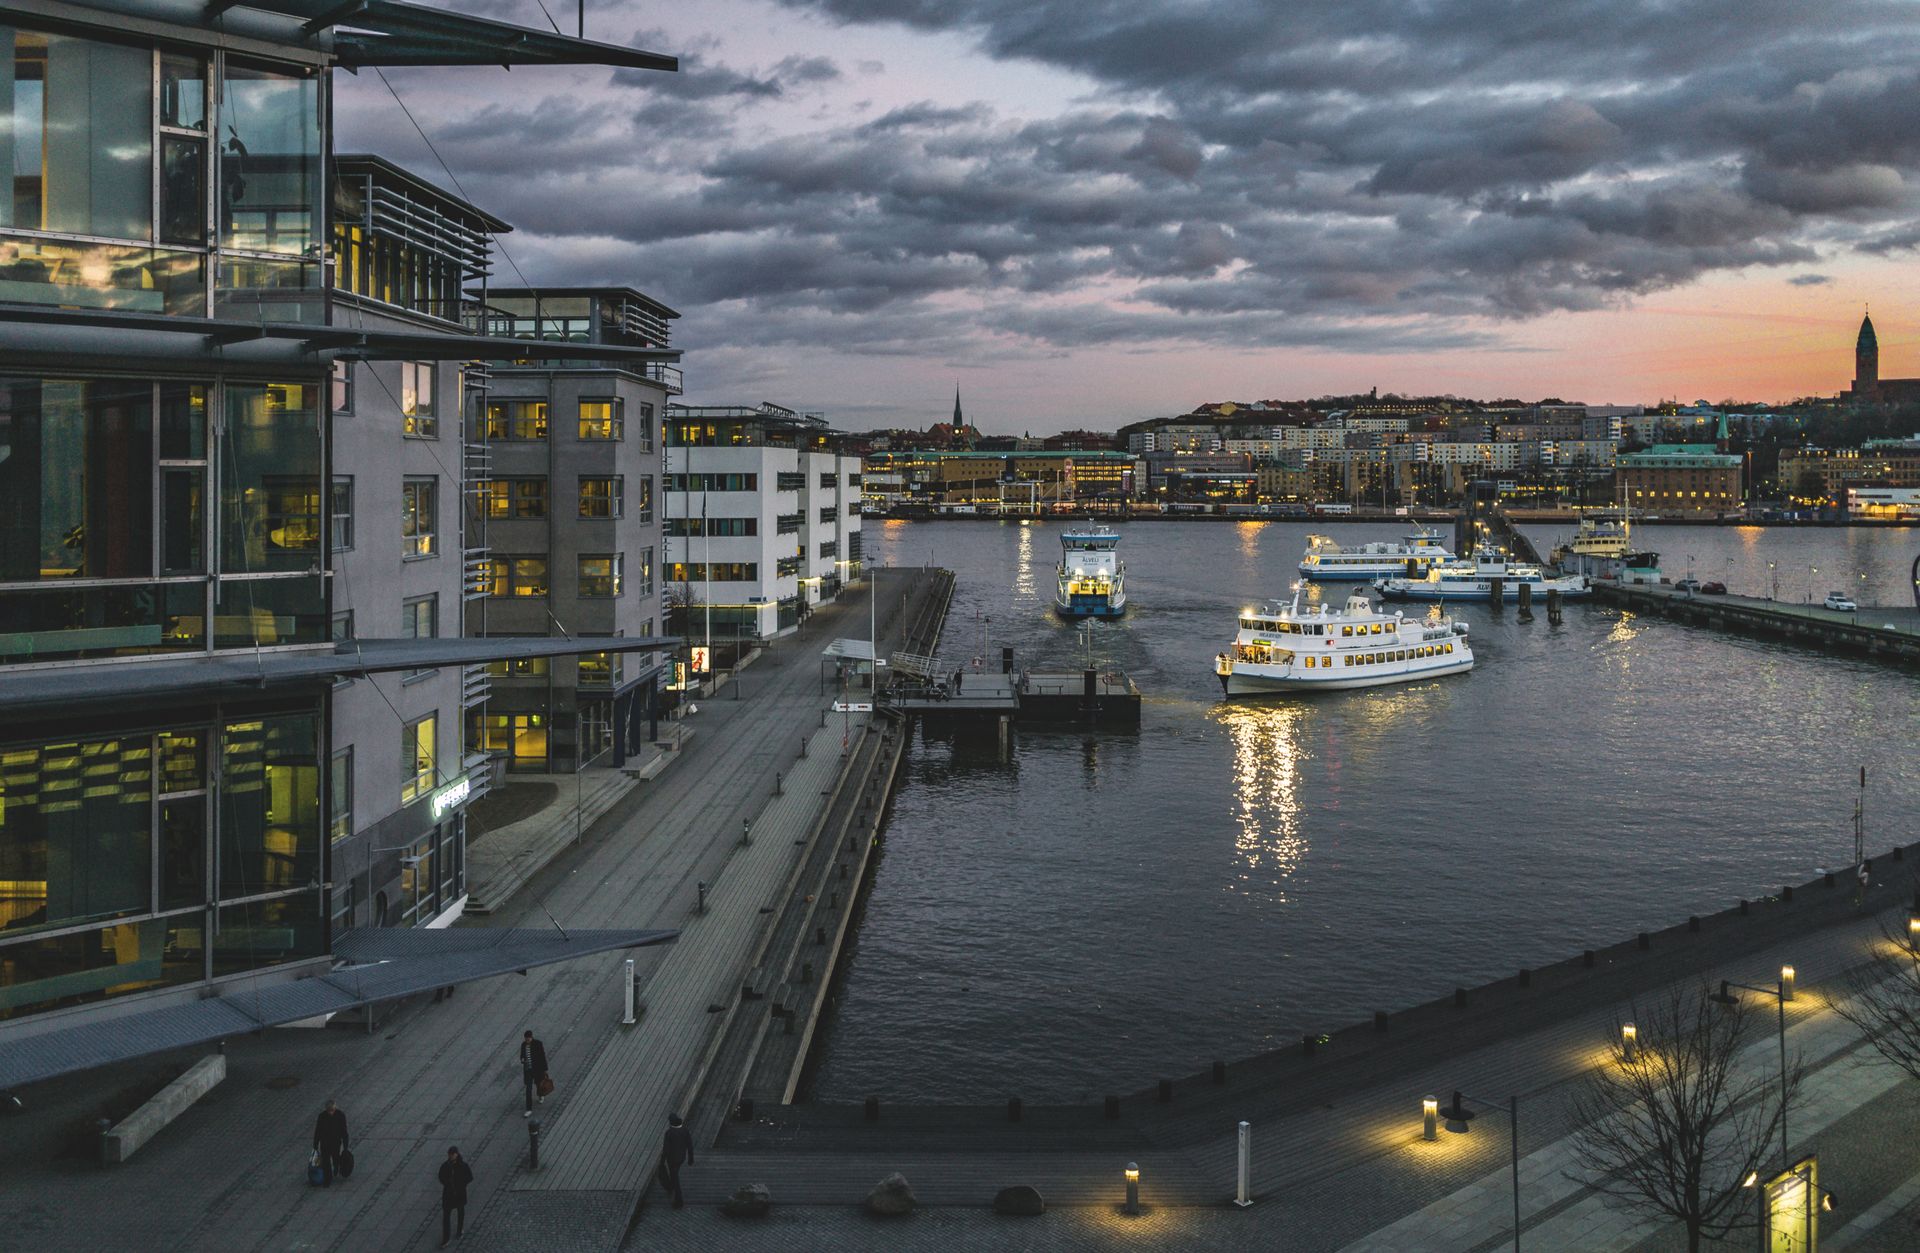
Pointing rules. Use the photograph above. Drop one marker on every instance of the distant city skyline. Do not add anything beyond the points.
(1105, 211)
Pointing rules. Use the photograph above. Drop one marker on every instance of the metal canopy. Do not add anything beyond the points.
(253, 672)
(377, 965)
(386, 32)
(361, 345)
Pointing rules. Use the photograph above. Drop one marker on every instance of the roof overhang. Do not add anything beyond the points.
(232, 341)
(255, 672)
(372, 965)
(388, 32)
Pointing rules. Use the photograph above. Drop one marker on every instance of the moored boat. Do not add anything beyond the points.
(1282, 648)
(1487, 575)
(1326, 560)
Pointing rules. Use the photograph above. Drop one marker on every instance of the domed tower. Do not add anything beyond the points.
(1866, 361)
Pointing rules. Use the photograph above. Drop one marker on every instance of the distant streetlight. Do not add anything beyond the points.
(1782, 994)
(1133, 1187)
(1630, 1042)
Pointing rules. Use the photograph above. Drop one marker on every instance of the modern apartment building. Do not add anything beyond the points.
(567, 497)
(763, 518)
(227, 537)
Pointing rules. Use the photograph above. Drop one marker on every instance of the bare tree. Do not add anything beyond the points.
(1882, 999)
(1676, 1128)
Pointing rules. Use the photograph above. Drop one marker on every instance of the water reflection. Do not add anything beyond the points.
(1267, 756)
(1023, 563)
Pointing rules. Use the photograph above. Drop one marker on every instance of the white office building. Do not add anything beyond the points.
(762, 508)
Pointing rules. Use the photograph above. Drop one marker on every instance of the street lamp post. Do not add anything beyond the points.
(1458, 1116)
(1782, 994)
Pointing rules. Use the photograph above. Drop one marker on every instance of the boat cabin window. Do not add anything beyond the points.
(1346, 630)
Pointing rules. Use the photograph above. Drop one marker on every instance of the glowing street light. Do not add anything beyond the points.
(1786, 983)
(1133, 1187)
(1429, 1119)
(1630, 1042)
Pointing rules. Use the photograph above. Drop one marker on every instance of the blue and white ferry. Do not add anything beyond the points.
(1326, 560)
(1092, 576)
(1476, 579)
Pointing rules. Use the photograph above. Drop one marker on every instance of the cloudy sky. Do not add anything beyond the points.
(1089, 210)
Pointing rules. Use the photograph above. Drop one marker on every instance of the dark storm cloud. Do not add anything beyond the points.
(1353, 176)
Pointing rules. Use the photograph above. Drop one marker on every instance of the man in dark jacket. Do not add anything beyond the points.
(455, 1175)
(677, 1150)
(329, 1140)
(533, 1068)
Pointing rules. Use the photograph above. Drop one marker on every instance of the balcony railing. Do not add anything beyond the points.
(668, 376)
(476, 573)
(475, 685)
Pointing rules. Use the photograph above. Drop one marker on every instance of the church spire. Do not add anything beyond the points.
(1866, 361)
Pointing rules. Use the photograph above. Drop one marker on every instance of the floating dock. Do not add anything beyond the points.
(1891, 635)
(1088, 697)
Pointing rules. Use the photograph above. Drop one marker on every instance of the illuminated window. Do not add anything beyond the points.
(419, 517)
(417, 410)
(601, 419)
(416, 758)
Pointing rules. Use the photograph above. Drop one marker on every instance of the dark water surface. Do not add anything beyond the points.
(1103, 909)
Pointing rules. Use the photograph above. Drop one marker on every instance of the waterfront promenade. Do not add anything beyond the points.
(230, 1173)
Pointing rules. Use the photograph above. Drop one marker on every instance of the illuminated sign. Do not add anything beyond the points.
(700, 657)
(1792, 1209)
(451, 797)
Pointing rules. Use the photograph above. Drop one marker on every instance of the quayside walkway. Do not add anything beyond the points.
(230, 1173)
(1334, 1167)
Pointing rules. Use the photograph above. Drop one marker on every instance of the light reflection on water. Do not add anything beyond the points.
(1102, 909)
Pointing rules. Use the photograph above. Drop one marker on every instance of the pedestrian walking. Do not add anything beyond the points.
(330, 1141)
(676, 1152)
(533, 1069)
(455, 1175)
(956, 682)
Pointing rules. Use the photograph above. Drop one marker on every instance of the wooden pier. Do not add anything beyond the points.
(1890, 635)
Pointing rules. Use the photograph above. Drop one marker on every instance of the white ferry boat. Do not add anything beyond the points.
(1475, 580)
(1092, 578)
(1282, 648)
(1326, 560)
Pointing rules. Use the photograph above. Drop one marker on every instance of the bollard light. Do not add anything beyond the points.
(702, 887)
(1786, 983)
(746, 830)
(1913, 929)
(1133, 1187)
(1429, 1118)
(1630, 1042)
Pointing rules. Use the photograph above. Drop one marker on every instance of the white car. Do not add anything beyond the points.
(1840, 601)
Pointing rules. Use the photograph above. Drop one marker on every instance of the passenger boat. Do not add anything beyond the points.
(1326, 560)
(1092, 578)
(1479, 578)
(1283, 648)
(1603, 548)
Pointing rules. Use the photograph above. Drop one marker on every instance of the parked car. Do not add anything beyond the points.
(1714, 589)
(1840, 601)
(1687, 585)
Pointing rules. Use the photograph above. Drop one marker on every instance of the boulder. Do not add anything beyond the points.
(751, 1200)
(892, 1195)
(1019, 1200)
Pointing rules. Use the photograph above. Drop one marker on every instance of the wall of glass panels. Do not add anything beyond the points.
(109, 153)
(156, 858)
(107, 526)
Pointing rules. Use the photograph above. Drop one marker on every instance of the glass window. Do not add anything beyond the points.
(518, 667)
(183, 852)
(512, 498)
(417, 407)
(340, 796)
(250, 613)
(183, 190)
(600, 576)
(79, 139)
(270, 483)
(417, 743)
(340, 513)
(643, 573)
(183, 422)
(76, 479)
(601, 419)
(94, 965)
(75, 832)
(270, 820)
(643, 498)
(420, 618)
(645, 409)
(183, 521)
(270, 159)
(600, 497)
(258, 934)
(419, 517)
(514, 420)
(183, 92)
(342, 386)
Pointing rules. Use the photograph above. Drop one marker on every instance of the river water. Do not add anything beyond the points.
(1102, 909)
